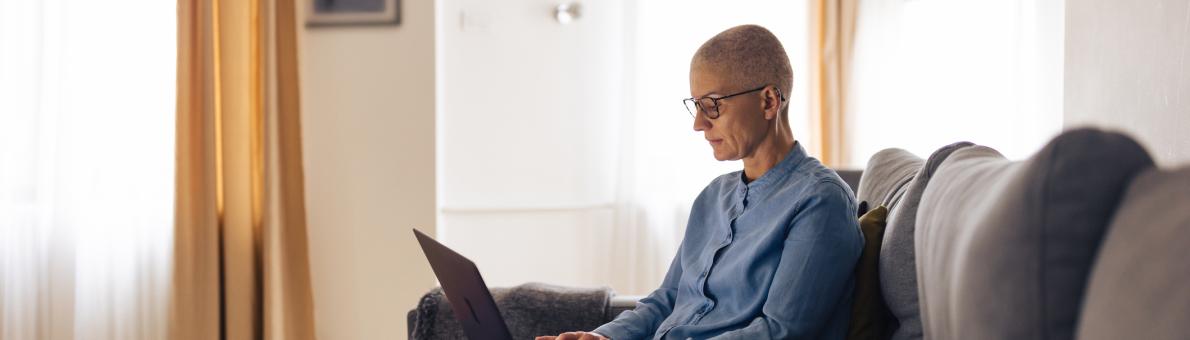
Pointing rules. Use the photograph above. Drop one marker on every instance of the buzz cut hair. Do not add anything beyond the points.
(747, 56)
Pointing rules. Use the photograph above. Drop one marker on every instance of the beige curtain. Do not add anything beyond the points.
(832, 30)
(241, 268)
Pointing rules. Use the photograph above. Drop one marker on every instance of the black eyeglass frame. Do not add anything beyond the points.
(696, 104)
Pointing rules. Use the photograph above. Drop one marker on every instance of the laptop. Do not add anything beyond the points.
(468, 296)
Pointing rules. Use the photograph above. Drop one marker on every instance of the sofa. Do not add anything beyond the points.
(1083, 240)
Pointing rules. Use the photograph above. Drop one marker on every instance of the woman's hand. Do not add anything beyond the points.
(574, 336)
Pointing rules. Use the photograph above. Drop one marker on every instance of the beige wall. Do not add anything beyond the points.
(368, 96)
(1126, 68)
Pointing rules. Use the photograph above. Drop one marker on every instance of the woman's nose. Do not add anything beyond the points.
(701, 122)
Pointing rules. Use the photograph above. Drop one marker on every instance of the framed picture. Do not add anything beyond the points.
(353, 12)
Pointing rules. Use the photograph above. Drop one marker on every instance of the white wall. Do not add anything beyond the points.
(1126, 69)
(368, 100)
(528, 145)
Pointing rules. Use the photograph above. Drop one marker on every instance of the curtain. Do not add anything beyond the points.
(832, 36)
(86, 170)
(241, 268)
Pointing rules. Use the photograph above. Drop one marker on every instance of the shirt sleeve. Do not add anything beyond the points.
(817, 263)
(642, 322)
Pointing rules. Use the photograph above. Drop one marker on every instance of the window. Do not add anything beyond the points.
(86, 167)
(927, 73)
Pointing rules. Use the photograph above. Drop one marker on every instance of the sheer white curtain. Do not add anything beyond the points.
(86, 168)
(927, 73)
(664, 163)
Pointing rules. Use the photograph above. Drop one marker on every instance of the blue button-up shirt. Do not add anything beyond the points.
(770, 259)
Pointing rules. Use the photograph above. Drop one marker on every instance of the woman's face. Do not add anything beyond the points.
(741, 125)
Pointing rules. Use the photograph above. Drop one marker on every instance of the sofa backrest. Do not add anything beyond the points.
(1004, 248)
(1139, 285)
(888, 173)
(896, 178)
(851, 177)
(898, 259)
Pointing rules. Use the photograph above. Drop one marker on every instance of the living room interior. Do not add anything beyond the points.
(254, 169)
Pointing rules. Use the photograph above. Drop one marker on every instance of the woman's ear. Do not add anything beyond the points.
(772, 102)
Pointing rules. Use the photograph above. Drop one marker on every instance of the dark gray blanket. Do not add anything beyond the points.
(530, 310)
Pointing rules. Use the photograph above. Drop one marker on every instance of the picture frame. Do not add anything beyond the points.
(352, 12)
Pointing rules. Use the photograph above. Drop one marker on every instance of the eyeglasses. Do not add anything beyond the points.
(710, 105)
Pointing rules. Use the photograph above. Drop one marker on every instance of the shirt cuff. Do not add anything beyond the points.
(610, 331)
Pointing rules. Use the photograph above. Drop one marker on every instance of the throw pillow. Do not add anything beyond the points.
(868, 311)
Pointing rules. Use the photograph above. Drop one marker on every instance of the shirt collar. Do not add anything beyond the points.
(776, 173)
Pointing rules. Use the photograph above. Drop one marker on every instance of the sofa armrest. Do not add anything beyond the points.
(589, 315)
(621, 303)
(628, 301)
(410, 320)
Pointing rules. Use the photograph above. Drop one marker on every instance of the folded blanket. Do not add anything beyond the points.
(530, 310)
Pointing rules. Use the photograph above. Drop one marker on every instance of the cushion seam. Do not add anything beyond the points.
(1040, 210)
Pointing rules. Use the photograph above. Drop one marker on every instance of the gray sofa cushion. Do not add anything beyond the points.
(888, 172)
(1004, 248)
(1138, 286)
(898, 264)
(884, 182)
